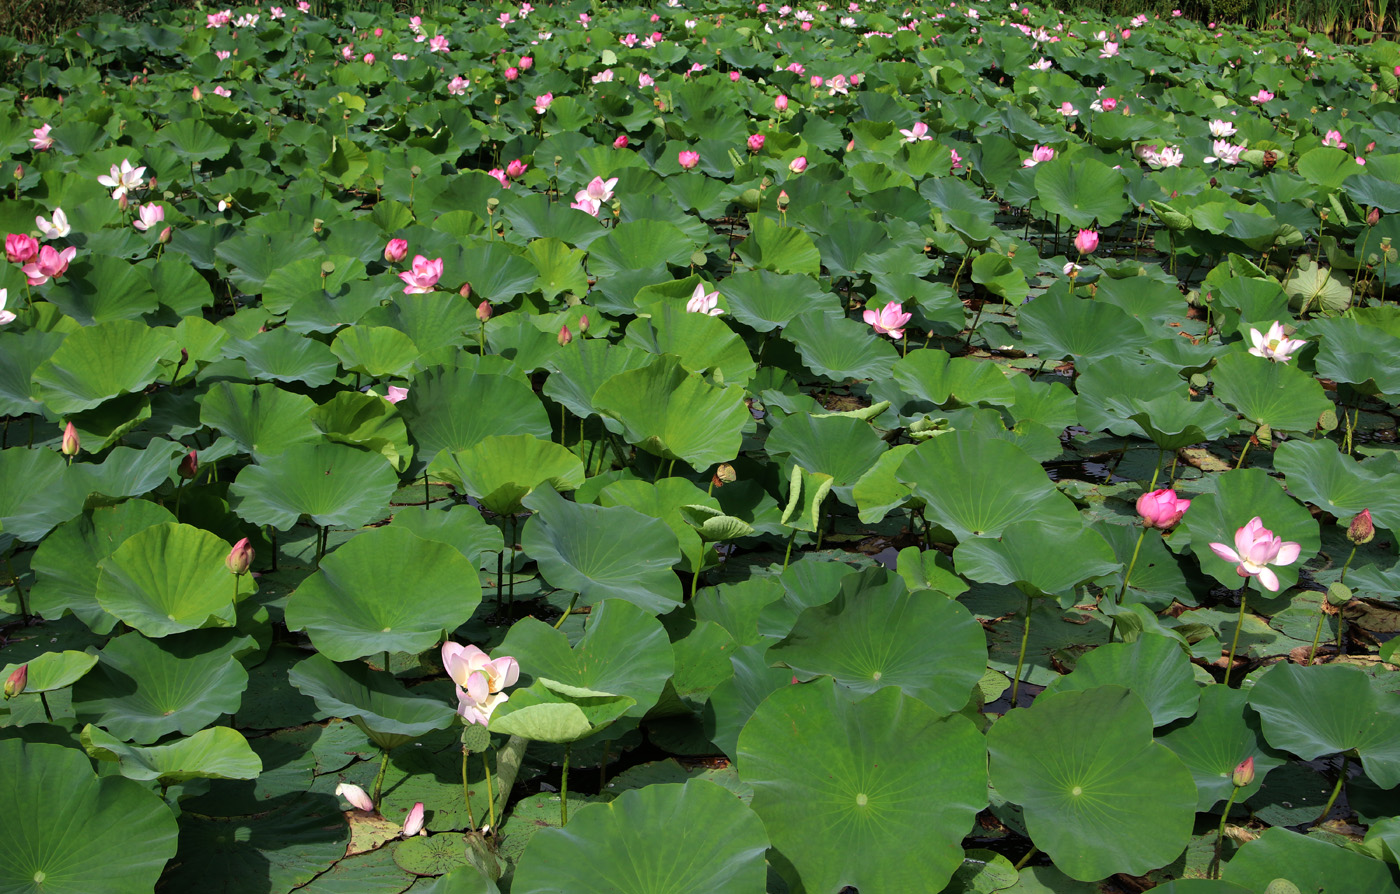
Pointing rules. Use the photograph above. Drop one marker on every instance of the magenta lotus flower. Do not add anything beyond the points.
(1261, 97)
(500, 176)
(620, 142)
(438, 44)
(1038, 154)
(122, 179)
(239, 558)
(395, 394)
(516, 168)
(542, 103)
(1334, 138)
(21, 248)
(6, 316)
(512, 74)
(41, 141)
(890, 319)
(56, 228)
(1161, 508)
(1275, 345)
(1086, 241)
(917, 133)
(147, 216)
(396, 250)
(756, 142)
(50, 264)
(423, 276)
(358, 797)
(781, 103)
(1256, 548)
(702, 302)
(798, 164)
(688, 159)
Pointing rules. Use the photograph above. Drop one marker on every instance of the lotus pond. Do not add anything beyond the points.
(698, 447)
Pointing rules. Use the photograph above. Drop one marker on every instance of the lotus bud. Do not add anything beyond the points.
(483, 311)
(583, 324)
(1244, 773)
(1161, 508)
(565, 336)
(396, 250)
(17, 681)
(1086, 241)
(189, 466)
(1361, 529)
(466, 290)
(184, 356)
(240, 559)
(413, 823)
(19, 172)
(122, 202)
(620, 142)
(357, 796)
(70, 444)
(1373, 217)
(164, 238)
(195, 94)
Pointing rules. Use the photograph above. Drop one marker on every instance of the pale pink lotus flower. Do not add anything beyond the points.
(500, 176)
(797, 68)
(6, 316)
(247, 21)
(1161, 508)
(702, 302)
(1334, 138)
(50, 264)
(645, 80)
(598, 189)
(303, 6)
(1110, 49)
(396, 250)
(480, 680)
(222, 91)
(1068, 110)
(347, 52)
(838, 84)
(781, 103)
(527, 62)
(1072, 269)
(400, 57)
(423, 276)
(1086, 241)
(395, 394)
(1176, 13)
(1261, 97)
(277, 12)
(1220, 128)
(413, 823)
(41, 141)
(148, 215)
(21, 248)
(1038, 154)
(629, 41)
(222, 54)
(756, 142)
(438, 44)
(1360, 160)
(1139, 21)
(505, 18)
(457, 86)
(542, 103)
(512, 73)
(516, 168)
(586, 205)
(798, 164)
(1040, 65)
(415, 24)
(358, 797)
(1256, 548)
(603, 77)
(1225, 152)
(122, 179)
(56, 228)
(620, 142)
(890, 320)
(688, 159)
(917, 133)
(1274, 345)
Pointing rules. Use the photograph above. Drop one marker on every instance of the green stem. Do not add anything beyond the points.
(490, 795)
(179, 489)
(45, 699)
(387, 668)
(788, 554)
(564, 787)
(1336, 790)
(564, 617)
(1220, 833)
(379, 777)
(466, 792)
(1317, 637)
(671, 468)
(1124, 589)
(427, 496)
(1240, 461)
(1027, 858)
(1021, 656)
(19, 590)
(1235, 640)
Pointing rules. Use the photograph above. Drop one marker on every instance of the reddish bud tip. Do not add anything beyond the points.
(1244, 773)
(240, 558)
(19, 678)
(1361, 529)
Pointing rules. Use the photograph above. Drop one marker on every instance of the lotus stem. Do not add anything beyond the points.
(564, 617)
(43, 698)
(379, 777)
(1235, 640)
(1220, 833)
(788, 554)
(1240, 462)
(511, 571)
(389, 669)
(1021, 656)
(427, 496)
(564, 787)
(466, 791)
(1124, 589)
(670, 469)
(19, 590)
(1317, 637)
(1336, 790)
(1027, 858)
(179, 489)
(490, 795)
(500, 572)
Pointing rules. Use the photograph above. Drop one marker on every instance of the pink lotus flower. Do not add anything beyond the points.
(21, 248)
(512, 73)
(500, 176)
(1068, 110)
(1161, 508)
(122, 179)
(1261, 97)
(620, 142)
(734, 77)
(1038, 154)
(629, 41)
(1274, 346)
(702, 302)
(1110, 49)
(688, 159)
(239, 558)
(1225, 152)
(480, 680)
(956, 158)
(277, 12)
(457, 86)
(815, 80)
(224, 54)
(222, 91)
(358, 797)
(1256, 548)
(303, 6)
(798, 164)
(781, 103)
(41, 140)
(527, 62)
(56, 228)
(598, 190)
(6, 316)
(413, 823)
(516, 168)
(368, 58)
(586, 205)
(347, 52)
(396, 250)
(1086, 241)
(423, 277)
(50, 264)
(438, 44)
(147, 216)
(917, 133)
(756, 142)
(645, 80)
(890, 320)
(542, 103)
(1334, 138)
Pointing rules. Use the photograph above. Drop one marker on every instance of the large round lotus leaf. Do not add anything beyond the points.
(846, 788)
(214, 753)
(377, 702)
(37, 492)
(19, 357)
(624, 651)
(332, 483)
(53, 670)
(1058, 325)
(638, 245)
(668, 500)
(655, 840)
(1048, 558)
(840, 348)
(453, 409)
(764, 300)
(1309, 864)
(100, 288)
(928, 381)
(675, 414)
(1363, 356)
(66, 563)
(962, 208)
(700, 341)
(1221, 735)
(376, 351)
(580, 371)
(69, 832)
(975, 486)
(364, 420)
(1174, 421)
(550, 711)
(1081, 190)
(778, 248)
(877, 634)
(1325, 709)
(1153, 667)
(261, 419)
(285, 356)
(1240, 496)
(1112, 388)
(142, 689)
(433, 321)
(1318, 472)
(1082, 765)
(1269, 393)
(502, 469)
(169, 578)
(126, 472)
(879, 492)
(460, 526)
(841, 446)
(601, 552)
(97, 363)
(386, 590)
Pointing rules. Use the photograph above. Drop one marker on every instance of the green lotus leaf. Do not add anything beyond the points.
(1327, 167)
(435, 322)
(961, 208)
(1312, 287)
(1240, 496)
(214, 753)
(701, 342)
(453, 409)
(1081, 190)
(376, 351)
(713, 525)
(386, 590)
(624, 651)
(673, 414)
(1001, 277)
(37, 492)
(929, 381)
(54, 670)
(764, 300)
(379, 704)
(614, 846)
(1047, 557)
(865, 820)
(1363, 356)
(879, 492)
(1219, 738)
(1269, 393)
(97, 363)
(332, 483)
(19, 357)
(733, 701)
(839, 348)
(876, 634)
(1173, 421)
(1325, 709)
(73, 833)
(666, 500)
(580, 371)
(1155, 668)
(459, 526)
(498, 273)
(99, 289)
(284, 356)
(560, 268)
(169, 578)
(502, 469)
(601, 552)
(1058, 325)
(1113, 388)
(143, 689)
(364, 420)
(840, 446)
(638, 245)
(66, 563)
(781, 249)
(261, 419)
(556, 712)
(1081, 764)
(976, 486)
(1318, 472)
(806, 493)
(1308, 863)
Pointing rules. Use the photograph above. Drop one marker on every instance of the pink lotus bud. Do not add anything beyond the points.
(19, 172)
(413, 823)
(620, 142)
(1161, 508)
(19, 678)
(164, 237)
(512, 73)
(688, 159)
(189, 466)
(20, 248)
(357, 796)
(1244, 773)
(1373, 217)
(526, 63)
(483, 311)
(240, 558)
(798, 164)
(781, 103)
(733, 76)
(1361, 529)
(1086, 241)
(756, 142)
(583, 324)
(516, 168)
(70, 444)
(195, 94)
(565, 336)
(396, 250)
